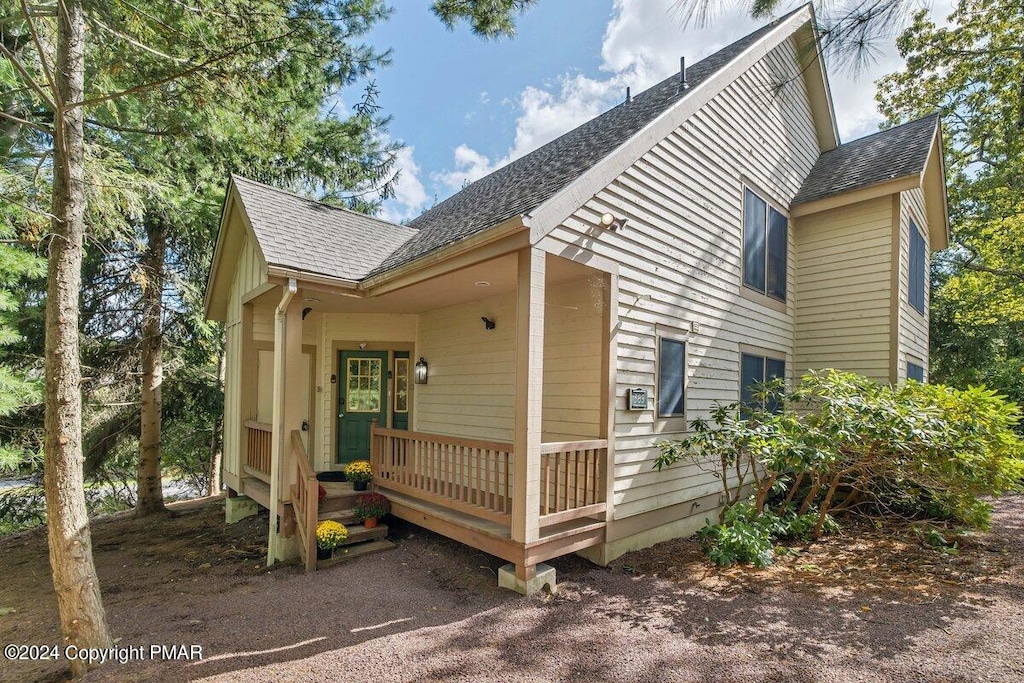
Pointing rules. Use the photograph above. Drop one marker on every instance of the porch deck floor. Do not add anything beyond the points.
(488, 527)
(463, 519)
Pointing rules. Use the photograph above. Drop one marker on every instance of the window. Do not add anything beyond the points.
(915, 371)
(765, 236)
(364, 384)
(756, 370)
(671, 378)
(401, 385)
(917, 268)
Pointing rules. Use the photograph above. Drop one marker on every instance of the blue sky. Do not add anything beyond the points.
(463, 105)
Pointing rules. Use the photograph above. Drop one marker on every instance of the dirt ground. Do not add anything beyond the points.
(867, 605)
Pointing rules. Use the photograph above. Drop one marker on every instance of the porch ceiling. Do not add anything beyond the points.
(450, 289)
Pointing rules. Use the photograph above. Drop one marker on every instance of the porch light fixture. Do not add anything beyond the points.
(610, 222)
(421, 371)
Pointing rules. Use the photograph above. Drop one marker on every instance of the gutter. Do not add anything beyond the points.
(277, 421)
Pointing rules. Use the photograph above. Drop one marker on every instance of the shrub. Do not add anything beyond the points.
(842, 443)
(359, 471)
(371, 505)
(321, 493)
(330, 534)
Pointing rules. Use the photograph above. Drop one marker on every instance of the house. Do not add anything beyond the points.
(510, 360)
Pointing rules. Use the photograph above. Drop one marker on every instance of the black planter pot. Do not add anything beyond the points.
(359, 485)
(324, 553)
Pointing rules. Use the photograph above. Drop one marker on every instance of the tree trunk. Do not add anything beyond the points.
(82, 618)
(150, 497)
(216, 439)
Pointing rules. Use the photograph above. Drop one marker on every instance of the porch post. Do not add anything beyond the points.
(609, 397)
(529, 389)
(287, 415)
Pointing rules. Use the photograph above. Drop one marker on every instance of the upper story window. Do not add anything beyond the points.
(915, 294)
(671, 378)
(765, 236)
(755, 371)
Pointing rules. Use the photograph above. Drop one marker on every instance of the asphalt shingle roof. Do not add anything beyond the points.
(889, 154)
(527, 182)
(309, 236)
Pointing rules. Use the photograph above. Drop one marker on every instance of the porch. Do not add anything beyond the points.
(504, 446)
(461, 488)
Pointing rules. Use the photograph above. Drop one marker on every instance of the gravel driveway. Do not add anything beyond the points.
(430, 611)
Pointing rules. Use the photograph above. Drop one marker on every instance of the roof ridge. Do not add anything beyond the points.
(235, 177)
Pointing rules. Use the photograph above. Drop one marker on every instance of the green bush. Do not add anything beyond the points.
(844, 444)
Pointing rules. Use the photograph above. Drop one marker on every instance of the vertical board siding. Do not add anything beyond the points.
(843, 285)
(913, 326)
(249, 273)
(679, 260)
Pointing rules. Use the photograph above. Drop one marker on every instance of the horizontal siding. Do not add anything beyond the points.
(572, 360)
(472, 370)
(843, 287)
(679, 261)
(913, 327)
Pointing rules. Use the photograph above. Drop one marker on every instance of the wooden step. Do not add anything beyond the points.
(352, 552)
(346, 517)
(340, 496)
(359, 533)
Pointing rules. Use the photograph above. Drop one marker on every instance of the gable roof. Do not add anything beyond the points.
(524, 184)
(304, 235)
(887, 155)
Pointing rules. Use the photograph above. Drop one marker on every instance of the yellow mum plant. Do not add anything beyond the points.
(359, 472)
(330, 534)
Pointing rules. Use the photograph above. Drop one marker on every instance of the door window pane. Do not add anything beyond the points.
(364, 386)
(401, 385)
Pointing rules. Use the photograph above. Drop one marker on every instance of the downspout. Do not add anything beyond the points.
(277, 421)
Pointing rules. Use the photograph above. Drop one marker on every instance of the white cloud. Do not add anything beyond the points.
(642, 45)
(410, 195)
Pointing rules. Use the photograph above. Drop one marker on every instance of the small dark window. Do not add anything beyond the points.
(917, 269)
(765, 238)
(671, 378)
(915, 372)
(755, 370)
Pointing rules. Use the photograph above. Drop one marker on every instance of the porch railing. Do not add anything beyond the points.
(476, 477)
(306, 501)
(572, 480)
(257, 451)
(462, 474)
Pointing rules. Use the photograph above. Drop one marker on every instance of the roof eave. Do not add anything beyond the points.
(816, 81)
(432, 263)
(933, 183)
(861, 194)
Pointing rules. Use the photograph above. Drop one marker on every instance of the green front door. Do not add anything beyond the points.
(362, 398)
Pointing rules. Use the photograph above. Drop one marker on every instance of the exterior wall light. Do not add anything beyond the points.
(610, 222)
(421, 371)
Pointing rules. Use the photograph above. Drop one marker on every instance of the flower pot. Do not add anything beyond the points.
(370, 522)
(323, 553)
(360, 485)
